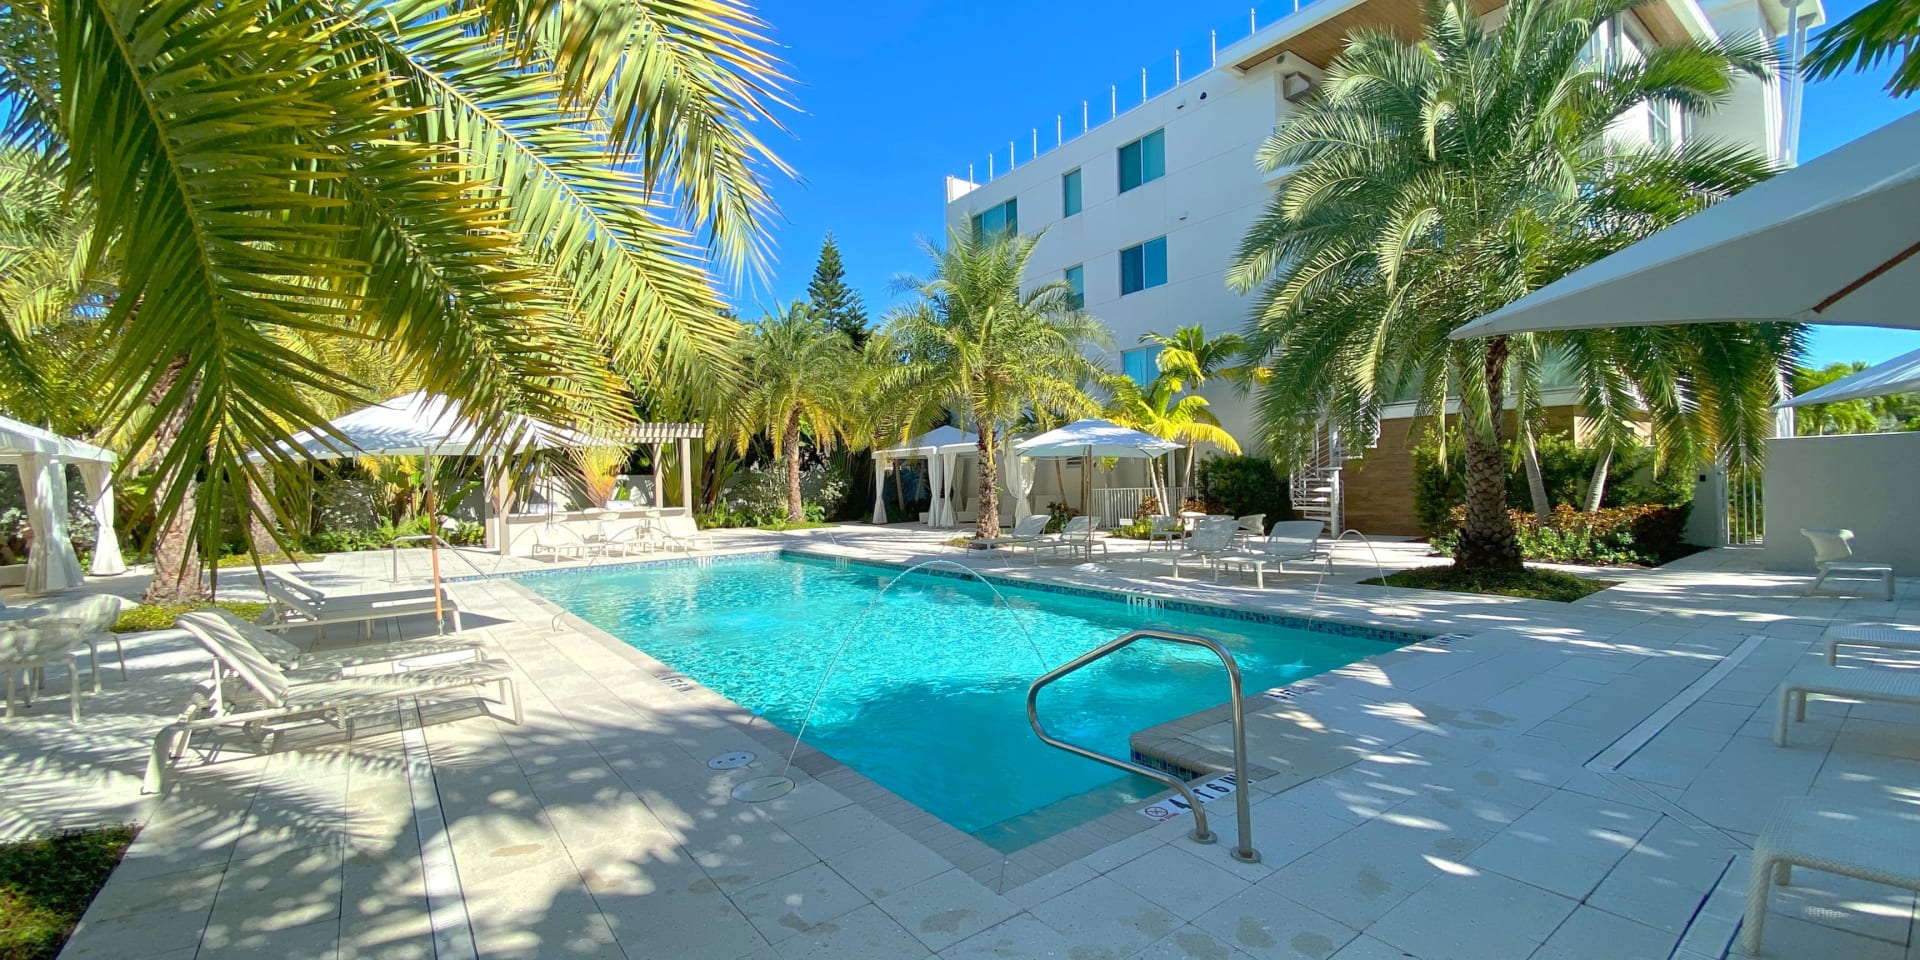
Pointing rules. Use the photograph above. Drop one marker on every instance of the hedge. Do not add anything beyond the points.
(1647, 534)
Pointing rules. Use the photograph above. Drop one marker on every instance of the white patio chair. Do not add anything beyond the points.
(1211, 539)
(1832, 549)
(1874, 844)
(28, 649)
(1252, 526)
(265, 698)
(94, 615)
(1293, 540)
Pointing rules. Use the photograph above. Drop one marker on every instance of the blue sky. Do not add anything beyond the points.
(895, 95)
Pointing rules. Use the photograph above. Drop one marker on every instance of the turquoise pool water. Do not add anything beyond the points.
(929, 698)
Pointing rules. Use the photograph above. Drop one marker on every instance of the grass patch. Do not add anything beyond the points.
(239, 560)
(1530, 584)
(46, 884)
(159, 616)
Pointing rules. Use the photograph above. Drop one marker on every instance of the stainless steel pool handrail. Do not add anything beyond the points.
(1244, 852)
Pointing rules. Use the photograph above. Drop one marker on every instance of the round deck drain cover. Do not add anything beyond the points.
(762, 789)
(730, 761)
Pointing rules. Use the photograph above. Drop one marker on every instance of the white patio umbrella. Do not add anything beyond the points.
(1831, 241)
(1096, 438)
(1899, 375)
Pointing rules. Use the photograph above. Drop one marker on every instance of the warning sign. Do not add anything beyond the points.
(1176, 805)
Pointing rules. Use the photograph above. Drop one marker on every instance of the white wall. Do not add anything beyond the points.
(1862, 483)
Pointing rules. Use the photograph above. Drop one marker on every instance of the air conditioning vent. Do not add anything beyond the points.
(1296, 87)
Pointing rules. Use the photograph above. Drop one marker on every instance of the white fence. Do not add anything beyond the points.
(1116, 506)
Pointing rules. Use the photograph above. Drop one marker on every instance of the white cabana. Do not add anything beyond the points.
(421, 424)
(1088, 439)
(42, 456)
(1016, 474)
(942, 448)
(1899, 375)
(1831, 241)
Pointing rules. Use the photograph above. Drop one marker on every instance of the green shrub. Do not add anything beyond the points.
(1646, 534)
(1565, 469)
(1530, 583)
(1242, 486)
(46, 884)
(159, 616)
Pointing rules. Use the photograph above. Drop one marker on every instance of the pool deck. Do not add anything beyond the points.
(1551, 782)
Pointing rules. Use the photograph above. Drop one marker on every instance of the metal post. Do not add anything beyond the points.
(1084, 125)
(989, 168)
(1011, 161)
(1143, 84)
(1113, 92)
(1176, 68)
(1036, 141)
(1213, 41)
(1059, 129)
(686, 474)
(970, 173)
(1253, 23)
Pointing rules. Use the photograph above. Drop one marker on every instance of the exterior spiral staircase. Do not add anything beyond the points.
(1315, 482)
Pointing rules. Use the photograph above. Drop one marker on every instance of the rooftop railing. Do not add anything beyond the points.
(1187, 63)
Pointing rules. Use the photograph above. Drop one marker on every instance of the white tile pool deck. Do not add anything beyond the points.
(1506, 795)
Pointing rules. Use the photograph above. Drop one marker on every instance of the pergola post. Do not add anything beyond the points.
(659, 478)
(686, 475)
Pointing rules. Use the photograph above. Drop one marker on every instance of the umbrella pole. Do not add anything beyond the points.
(433, 554)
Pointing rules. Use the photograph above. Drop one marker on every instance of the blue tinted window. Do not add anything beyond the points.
(1143, 266)
(1143, 161)
(1077, 279)
(1141, 365)
(1001, 218)
(1070, 193)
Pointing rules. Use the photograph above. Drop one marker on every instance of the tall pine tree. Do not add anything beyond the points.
(830, 299)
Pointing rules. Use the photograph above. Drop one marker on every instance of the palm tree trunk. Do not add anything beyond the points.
(795, 509)
(987, 524)
(1487, 539)
(1191, 457)
(1536, 483)
(176, 555)
(258, 536)
(1597, 485)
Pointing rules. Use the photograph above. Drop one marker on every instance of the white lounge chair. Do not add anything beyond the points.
(1293, 539)
(1875, 845)
(1845, 683)
(1211, 539)
(30, 648)
(556, 542)
(296, 604)
(265, 698)
(1832, 550)
(1029, 528)
(1884, 636)
(1078, 536)
(1252, 525)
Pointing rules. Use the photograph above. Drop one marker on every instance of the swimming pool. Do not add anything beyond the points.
(929, 697)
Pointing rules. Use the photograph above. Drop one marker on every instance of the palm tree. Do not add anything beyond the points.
(798, 367)
(974, 342)
(1877, 32)
(1164, 409)
(1442, 178)
(1202, 357)
(521, 199)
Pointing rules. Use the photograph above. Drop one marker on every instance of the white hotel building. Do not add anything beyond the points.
(1144, 211)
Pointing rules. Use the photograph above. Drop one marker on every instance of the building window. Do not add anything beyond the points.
(1070, 192)
(1143, 161)
(1143, 266)
(1662, 132)
(1077, 279)
(1001, 219)
(1141, 365)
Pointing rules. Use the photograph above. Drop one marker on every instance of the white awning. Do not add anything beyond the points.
(17, 440)
(1832, 241)
(1899, 375)
(938, 441)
